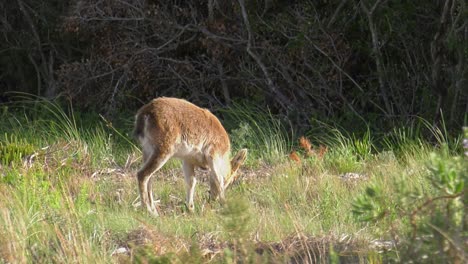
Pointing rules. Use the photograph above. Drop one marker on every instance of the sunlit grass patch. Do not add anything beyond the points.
(72, 196)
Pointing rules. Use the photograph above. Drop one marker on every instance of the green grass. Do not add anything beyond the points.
(68, 193)
(256, 129)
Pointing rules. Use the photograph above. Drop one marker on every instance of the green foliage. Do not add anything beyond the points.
(346, 152)
(465, 141)
(448, 175)
(236, 222)
(371, 206)
(442, 215)
(236, 217)
(13, 149)
(437, 215)
(363, 146)
(259, 131)
(405, 141)
(145, 255)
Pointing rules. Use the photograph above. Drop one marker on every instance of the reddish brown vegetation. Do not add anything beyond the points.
(308, 150)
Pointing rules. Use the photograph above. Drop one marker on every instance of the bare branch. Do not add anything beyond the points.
(335, 14)
(378, 54)
(284, 101)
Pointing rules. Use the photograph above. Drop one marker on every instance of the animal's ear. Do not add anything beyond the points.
(236, 162)
(239, 159)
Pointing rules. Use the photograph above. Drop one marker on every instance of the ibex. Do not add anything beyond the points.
(171, 127)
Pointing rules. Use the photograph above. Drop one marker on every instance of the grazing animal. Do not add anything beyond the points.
(171, 127)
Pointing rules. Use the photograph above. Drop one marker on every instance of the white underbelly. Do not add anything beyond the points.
(191, 153)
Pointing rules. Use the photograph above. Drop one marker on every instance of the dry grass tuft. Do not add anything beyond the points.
(301, 248)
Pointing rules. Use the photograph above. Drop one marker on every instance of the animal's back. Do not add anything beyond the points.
(178, 117)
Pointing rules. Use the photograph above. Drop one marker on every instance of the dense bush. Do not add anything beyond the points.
(381, 61)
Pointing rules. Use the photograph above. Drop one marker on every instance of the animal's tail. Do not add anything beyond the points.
(139, 128)
(236, 162)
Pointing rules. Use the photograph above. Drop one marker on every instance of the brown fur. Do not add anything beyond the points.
(171, 127)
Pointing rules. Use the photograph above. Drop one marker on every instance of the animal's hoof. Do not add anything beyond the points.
(154, 213)
(191, 208)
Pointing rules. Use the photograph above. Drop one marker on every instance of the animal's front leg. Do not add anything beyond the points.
(191, 181)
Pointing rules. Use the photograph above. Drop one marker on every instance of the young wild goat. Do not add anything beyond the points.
(171, 127)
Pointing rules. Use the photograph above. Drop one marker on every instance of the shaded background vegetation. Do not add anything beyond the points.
(341, 60)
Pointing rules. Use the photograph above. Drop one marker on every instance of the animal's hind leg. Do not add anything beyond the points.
(152, 163)
(150, 194)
